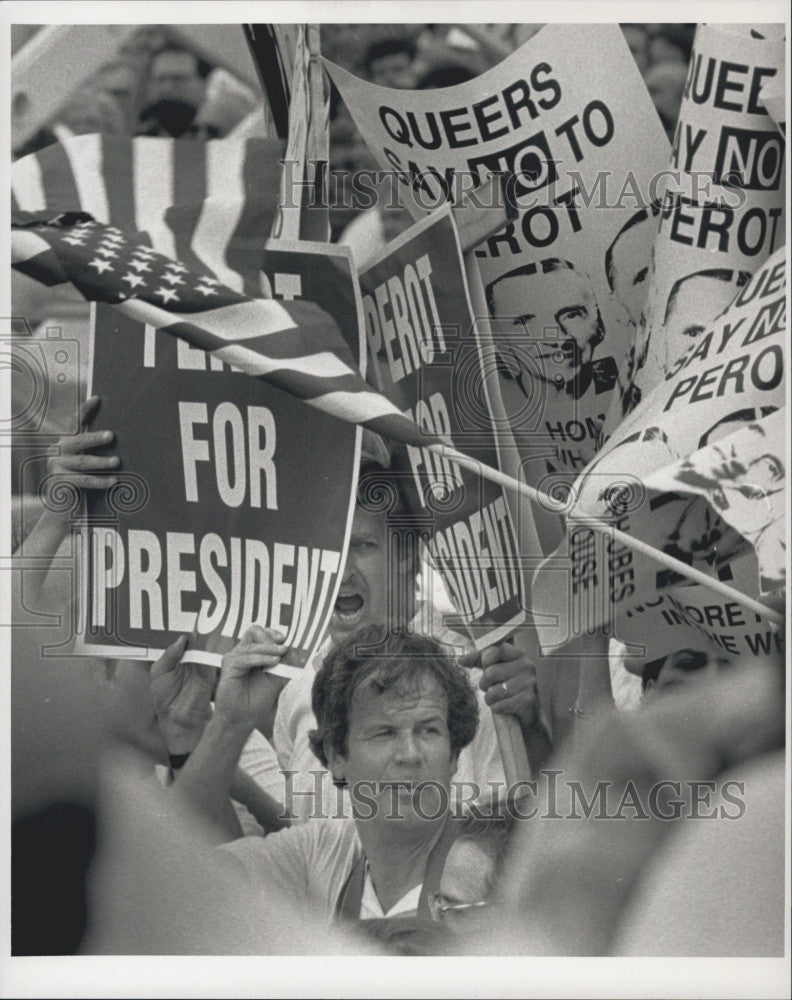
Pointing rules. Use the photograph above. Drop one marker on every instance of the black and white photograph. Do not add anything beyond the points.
(394, 480)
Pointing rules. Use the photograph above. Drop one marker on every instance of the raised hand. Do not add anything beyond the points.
(246, 692)
(73, 465)
(182, 697)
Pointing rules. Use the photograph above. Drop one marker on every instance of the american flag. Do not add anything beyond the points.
(293, 345)
(208, 204)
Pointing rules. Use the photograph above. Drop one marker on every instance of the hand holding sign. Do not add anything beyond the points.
(182, 695)
(72, 467)
(246, 692)
(508, 680)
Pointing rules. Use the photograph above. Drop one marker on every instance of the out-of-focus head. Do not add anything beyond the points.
(679, 671)
(469, 887)
(553, 305)
(389, 63)
(127, 708)
(176, 89)
(177, 74)
(666, 83)
(637, 38)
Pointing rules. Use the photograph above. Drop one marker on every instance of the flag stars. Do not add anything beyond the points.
(100, 265)
(204, 290)
(133, 279)
(139, 265)
(166, 294)
(172, 279)
(105, 252)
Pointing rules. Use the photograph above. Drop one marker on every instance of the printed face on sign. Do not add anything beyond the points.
(549, 326)
(746, 485)
(694, 302)
(628, 260)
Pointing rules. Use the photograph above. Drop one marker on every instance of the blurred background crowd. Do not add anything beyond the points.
(157, 86)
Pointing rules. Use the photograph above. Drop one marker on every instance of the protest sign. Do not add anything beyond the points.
(695, 618)
(741, 478)
(235, 499)
(732, 374)
(579, 149)
(722, 213)
(423, 356)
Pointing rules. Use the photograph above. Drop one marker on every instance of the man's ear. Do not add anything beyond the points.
(336, 762)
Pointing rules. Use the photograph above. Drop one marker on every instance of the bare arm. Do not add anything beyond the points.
(266, 810)
(72, 470)
(245, 692)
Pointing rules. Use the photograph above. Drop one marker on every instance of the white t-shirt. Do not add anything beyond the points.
(309, 792)
(309, 865)
(306, 864)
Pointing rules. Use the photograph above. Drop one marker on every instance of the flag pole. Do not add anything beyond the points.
(663, 558)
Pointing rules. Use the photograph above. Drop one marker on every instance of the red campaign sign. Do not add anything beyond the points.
(235, 499)
(423, 355)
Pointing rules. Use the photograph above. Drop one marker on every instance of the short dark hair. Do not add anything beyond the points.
(388, 47)
(642, 215)
(390, 661)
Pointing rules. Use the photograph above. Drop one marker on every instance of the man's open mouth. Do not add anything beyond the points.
(348, 607)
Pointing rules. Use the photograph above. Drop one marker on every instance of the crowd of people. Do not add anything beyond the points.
(365, 802)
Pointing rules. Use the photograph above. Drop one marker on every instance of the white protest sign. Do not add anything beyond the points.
(580, 147)
(696, 618)
(722, 213)
(732, 374)
(741, 478)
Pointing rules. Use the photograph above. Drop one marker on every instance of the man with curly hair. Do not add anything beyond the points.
(392, 717)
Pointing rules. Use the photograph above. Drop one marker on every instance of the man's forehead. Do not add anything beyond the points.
(416, 691)
(369, 523)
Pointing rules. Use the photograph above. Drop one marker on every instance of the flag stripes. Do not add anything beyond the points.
(294, 345)
(210, 204)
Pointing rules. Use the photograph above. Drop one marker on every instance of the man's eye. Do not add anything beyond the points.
(433, 730)
(640, 277)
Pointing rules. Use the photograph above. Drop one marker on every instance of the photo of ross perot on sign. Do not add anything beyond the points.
(396, 473)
